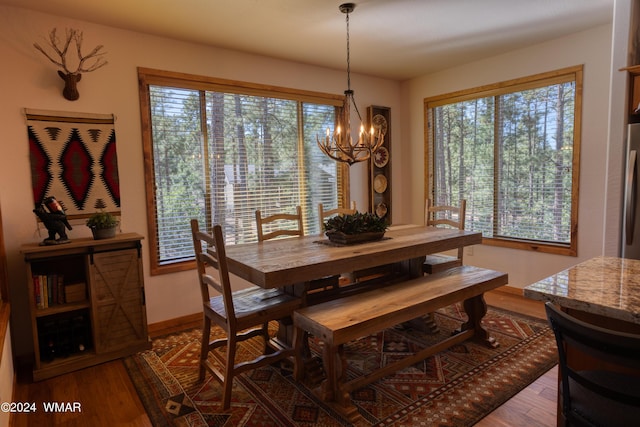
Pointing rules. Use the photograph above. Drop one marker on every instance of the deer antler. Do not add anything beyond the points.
(71, 78)
(62, 48)
(95, 54)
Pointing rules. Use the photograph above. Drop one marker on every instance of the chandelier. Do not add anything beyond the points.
(340, 146)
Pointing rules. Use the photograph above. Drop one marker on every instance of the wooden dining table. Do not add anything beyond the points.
(282, 262)
(291, 263)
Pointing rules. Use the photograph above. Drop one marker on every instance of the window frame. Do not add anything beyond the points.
(153, 77)
(575, 74)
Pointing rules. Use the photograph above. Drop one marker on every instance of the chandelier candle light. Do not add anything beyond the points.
(339, 146)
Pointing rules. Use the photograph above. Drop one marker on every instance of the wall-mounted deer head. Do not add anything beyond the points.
(71, 78)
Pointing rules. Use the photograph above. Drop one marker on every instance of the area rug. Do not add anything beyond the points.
(457, 387)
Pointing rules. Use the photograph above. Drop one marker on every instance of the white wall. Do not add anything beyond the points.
(591, 48)
(30, 80)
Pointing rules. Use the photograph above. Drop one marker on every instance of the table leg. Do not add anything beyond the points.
(426, 323)
(301, 358)
(412, 267)
(476, 308)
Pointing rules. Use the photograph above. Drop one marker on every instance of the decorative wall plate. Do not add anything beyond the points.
(380, 122)
(380, 183)
(381, 210)
(381, 157)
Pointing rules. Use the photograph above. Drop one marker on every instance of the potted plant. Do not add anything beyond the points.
(355, 228)
(102, 223)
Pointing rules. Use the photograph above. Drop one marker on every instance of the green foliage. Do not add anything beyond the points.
(511, 157)
(250, 159)
(359, 222)
(101, 220)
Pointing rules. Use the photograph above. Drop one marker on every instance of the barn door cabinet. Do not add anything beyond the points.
(86, 301)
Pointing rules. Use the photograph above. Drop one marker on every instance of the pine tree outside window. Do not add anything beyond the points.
(512, 151)
(218, 150)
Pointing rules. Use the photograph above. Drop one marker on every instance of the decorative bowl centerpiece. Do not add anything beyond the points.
(355, 228)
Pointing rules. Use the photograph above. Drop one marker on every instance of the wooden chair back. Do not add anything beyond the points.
(210, 254)
(452, 216)
(322, 214)
(446, 215)
(607, 393)
(280, 224)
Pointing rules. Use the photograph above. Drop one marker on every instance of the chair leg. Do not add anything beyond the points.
(204, 346)
(227, 384)
(265, 336)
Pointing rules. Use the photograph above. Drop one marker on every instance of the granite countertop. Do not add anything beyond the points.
(606, 286)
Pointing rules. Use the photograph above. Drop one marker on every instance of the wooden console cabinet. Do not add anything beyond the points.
(87, 302)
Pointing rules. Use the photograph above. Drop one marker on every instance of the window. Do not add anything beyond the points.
(512, 151)
(218, 150)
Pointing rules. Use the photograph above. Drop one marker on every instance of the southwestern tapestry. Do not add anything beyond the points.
(73, 158)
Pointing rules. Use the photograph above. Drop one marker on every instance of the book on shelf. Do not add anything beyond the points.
(36, 291)
(50, 290)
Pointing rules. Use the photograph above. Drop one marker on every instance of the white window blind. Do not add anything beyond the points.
(511, 152)
(220, 156)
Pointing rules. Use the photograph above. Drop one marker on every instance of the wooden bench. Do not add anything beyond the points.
(346, 319)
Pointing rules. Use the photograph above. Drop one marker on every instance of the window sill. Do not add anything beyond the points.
(531, 246)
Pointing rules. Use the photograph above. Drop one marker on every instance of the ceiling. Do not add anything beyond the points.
(396, 39)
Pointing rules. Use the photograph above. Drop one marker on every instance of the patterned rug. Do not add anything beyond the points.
(457, 387)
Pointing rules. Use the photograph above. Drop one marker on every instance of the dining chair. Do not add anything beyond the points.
(242, 314)
(279, 224)
(359, 275)
(287, 224)
(605, 396)
(449, 216)
(323, 214)
(355, 276)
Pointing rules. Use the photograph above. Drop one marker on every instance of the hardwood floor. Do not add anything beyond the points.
(535, 406)
(108, 398)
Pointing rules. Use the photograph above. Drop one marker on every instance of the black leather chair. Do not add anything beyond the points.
(608, 394)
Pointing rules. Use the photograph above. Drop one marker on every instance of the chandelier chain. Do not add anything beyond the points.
(340, 146)
(349, 92)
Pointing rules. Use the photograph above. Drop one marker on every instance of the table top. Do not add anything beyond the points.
(281, 262)
(605, 286)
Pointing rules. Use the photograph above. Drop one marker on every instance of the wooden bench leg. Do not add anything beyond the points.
(306, 368)
(332, 389)
(328, 388)
(476, 308)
